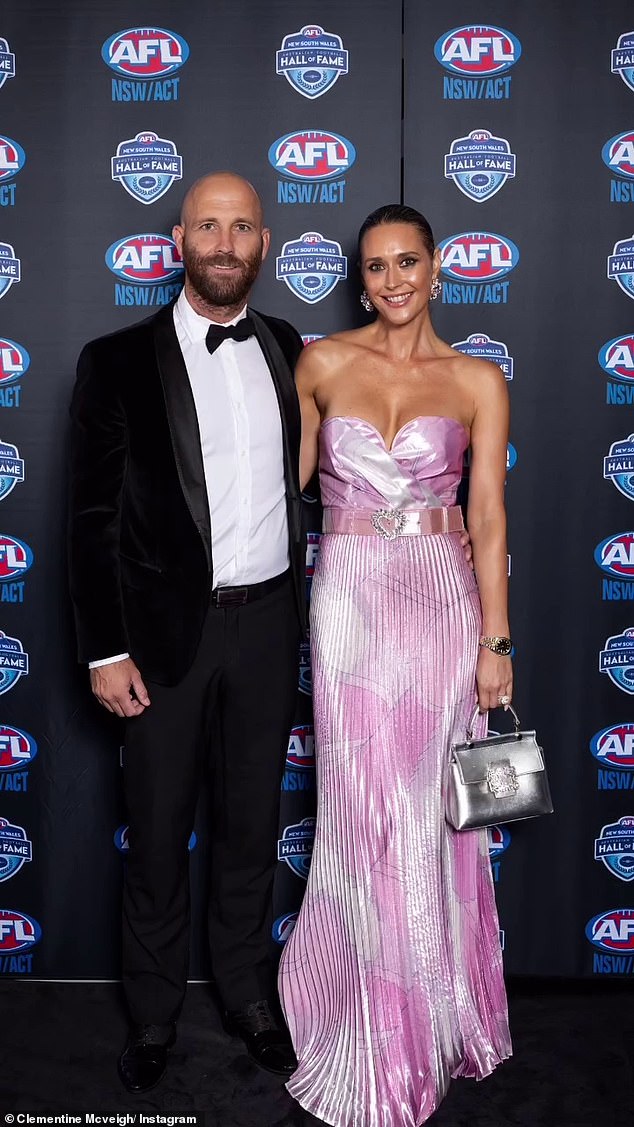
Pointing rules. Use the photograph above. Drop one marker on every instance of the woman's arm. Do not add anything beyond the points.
(305, 380)
(486, 519)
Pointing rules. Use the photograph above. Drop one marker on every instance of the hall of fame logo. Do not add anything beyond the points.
(7, 62)
(14, 662)
(311, 266)
(623, 58)
(9, 268)
(312, 60)
(147, 165)
(12, 159)
(621, 265)
(15, 849)
(14, 361)
(618, 466)
(615, 847)
(313, 540)
(295, 846)
(11, 468)
(305, 669)
(511, 456)
(617, 660)
(483, 348)
(479, 164)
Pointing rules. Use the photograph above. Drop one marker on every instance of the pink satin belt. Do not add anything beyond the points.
(392, 523)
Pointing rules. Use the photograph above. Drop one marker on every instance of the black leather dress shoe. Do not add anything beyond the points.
(144, 1059)
(265, 1035)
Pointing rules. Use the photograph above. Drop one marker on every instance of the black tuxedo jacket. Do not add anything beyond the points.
(140, 532)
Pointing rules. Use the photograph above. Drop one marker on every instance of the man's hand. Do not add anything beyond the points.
(465, 544)
(119, 688)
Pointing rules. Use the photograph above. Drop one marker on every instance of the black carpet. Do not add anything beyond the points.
(573, 1064)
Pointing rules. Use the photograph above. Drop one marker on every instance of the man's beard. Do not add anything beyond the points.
(213, 288)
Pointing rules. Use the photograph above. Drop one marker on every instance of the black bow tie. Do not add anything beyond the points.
(217, 333)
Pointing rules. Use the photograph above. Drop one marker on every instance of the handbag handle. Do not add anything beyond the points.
(476, 713)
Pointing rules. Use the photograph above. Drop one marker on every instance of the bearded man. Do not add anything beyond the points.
(186, 562)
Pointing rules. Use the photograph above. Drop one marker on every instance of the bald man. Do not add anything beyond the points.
(186, 561)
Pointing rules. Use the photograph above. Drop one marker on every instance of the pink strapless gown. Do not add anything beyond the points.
(391, 981)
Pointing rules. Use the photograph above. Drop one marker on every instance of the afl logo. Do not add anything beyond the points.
(614, 746)
(145, 52)
(15, 557)
(17, 748)
(283, 927)
(615, 555)
(613, 930)
(616, 358)
(477, 51)
(312, 155)
(12, 158)
(148, 259)
(478, 256)
(499, 840)
(623, 58)
(301, 747)
(618, 154)
(14, 361)
(17, 931)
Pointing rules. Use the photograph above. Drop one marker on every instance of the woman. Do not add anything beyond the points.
(392, 979)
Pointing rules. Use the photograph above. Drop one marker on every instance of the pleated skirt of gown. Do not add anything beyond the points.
(391, 981)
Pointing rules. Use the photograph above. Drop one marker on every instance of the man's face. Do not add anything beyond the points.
(222, 241)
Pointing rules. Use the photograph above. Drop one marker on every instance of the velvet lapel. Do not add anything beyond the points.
(183, 422)
(284, 384)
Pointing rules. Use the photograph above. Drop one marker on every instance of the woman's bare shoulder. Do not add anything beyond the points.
(328, 354)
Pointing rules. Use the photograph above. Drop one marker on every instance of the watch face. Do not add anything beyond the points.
(503, 647)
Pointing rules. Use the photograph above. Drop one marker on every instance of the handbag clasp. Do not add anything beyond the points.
(501, 778)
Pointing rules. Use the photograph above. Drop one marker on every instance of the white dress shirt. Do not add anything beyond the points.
(241, 441)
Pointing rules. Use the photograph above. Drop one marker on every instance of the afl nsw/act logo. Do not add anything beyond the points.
(17, 931)
(313, 161)
(147, 261)
(479, 164)
(616, 358)
(617, 660)
(476, 57)
(14, 361)
(312, 60)
(311, 266)
(615, 555)
(499, 841)
(614, 747)
(9, 268)
(613, 930)
(618, 467)
(615, 847)
(15, 558)
(621, 265)
(7, 62)
(618, 154)
(623, 58)
(476, 262)
(481, 346)
(15, 849)
(147, 165)
(296, 846)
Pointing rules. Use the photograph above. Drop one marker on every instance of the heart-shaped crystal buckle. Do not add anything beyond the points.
(388, 523)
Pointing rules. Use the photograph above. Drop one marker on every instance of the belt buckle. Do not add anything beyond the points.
(231, 596)
(388, 523)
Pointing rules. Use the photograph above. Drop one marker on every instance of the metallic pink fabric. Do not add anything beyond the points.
(391, 981)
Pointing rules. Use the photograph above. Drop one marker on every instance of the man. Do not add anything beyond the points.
(187, 581)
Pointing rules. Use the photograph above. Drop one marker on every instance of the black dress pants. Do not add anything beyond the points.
(230, 717)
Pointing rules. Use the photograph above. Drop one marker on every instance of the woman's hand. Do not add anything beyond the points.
(494, 678)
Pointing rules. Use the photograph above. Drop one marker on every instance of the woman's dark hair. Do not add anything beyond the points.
(398, 213)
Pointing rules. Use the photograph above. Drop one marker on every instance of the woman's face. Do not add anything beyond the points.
(397, 270)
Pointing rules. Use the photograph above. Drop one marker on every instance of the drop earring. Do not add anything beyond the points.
(365, 301)
(436, 289)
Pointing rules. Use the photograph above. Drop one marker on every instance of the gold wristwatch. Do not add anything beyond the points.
(501, 646)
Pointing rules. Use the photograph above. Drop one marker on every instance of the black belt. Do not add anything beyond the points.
(238, 596)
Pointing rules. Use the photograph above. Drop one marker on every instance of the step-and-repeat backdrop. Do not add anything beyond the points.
(515, 135)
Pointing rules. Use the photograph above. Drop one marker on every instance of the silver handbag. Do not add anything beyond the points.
(496, 779)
